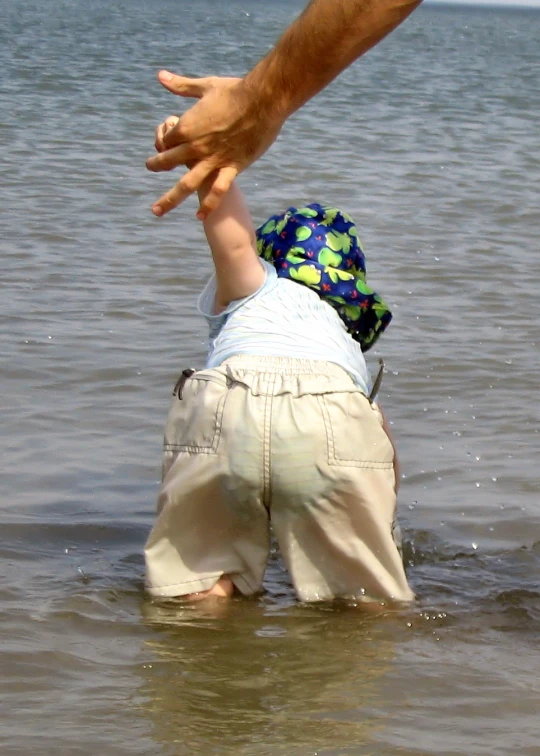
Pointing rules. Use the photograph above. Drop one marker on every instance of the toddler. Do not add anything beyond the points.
(279, 428)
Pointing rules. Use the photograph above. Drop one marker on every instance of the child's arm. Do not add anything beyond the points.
(231, 236)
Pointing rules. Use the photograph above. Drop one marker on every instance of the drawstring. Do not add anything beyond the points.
(378, 381)
(184, 375)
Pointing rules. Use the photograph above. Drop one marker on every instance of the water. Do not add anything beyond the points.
(431, 142)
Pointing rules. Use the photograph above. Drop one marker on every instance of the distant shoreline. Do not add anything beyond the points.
(499, 5)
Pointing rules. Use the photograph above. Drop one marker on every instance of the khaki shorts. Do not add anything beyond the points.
(291, 443)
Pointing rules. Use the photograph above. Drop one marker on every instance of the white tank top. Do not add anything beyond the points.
(281, 319)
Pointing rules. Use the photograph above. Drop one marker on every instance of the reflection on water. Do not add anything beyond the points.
(265, 675)
(254, 678)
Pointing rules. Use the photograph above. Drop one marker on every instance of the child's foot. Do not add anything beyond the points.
(224, 588)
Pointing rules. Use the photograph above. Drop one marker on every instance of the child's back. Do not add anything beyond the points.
(282, 319)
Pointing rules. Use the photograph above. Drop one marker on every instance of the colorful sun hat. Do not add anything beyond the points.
(319, 247)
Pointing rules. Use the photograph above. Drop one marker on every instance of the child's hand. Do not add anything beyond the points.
(168, 124)
(163, 128)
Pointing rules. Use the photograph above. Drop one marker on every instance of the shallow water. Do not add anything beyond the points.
(431, 142)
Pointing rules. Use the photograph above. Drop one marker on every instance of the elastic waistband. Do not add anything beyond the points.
(286, 366)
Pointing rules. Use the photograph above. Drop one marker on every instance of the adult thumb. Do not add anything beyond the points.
(181, 85)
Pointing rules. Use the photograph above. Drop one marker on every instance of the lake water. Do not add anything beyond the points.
(431, 142)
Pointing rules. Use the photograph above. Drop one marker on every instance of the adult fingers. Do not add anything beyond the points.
(169, 159)
(182, 85)
(220, 186)
(188, 184)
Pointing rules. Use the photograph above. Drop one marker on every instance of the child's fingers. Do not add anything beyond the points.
(160, 132)
(169, 123)
(219, 187)
(169, 159)
(188, 184)
(175, 135)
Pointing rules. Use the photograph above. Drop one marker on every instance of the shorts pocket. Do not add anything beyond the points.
(194, 421)
(354, 432)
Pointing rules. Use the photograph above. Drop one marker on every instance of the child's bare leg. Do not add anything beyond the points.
(224, 588)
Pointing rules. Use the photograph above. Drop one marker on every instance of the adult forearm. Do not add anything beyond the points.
(235, 121)
(326, 38)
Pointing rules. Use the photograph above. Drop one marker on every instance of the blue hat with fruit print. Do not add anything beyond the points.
(319, 247)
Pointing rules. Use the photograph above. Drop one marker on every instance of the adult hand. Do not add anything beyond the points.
(222, 134)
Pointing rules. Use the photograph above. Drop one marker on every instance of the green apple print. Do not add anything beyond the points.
(380, 308)
(268, 227)
(306, 274)
(267, 251)
(303, 233)
(362, 287)
(280, 225)
(307, 212)
(330, 216)
(352, 312)
(337, 299)
(338, 242)
(295, 255)
(329, 258)
(338, 275)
